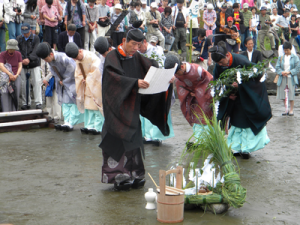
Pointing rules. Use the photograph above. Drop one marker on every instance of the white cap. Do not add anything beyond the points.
(144, 2)
(154, 5)
(210, 6)
(153, 39)
(295, 10)
(118, 6)
(229, 3)
(298, 16)
(245, 6)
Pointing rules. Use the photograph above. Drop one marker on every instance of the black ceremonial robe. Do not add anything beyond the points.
(251, 108)
(122, 104)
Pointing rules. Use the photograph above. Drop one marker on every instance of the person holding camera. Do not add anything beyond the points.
(264, 25)
(27, 43)
(153, 18)
(13, 10)
(104, 19)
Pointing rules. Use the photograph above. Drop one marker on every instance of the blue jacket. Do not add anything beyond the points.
(294, 69)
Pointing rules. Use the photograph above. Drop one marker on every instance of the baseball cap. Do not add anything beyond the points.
(229, 19)
(224, 6)
(263, 8)
(25, 28)
(153, 39)
(245, 6)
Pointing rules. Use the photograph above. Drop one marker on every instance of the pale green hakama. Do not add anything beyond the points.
(243, 139)
(71, 114)
(93, 119)
(198, 129)
(151, 132)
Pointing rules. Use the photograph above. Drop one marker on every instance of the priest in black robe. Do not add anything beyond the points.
(248, 106)
(122, 143)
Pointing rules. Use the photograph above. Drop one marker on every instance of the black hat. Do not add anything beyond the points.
(224, 6)
(136, 35)
(101, 45)
(180, 1)
(43, 50)
(170, 62)
(72, 50)
(137, 24)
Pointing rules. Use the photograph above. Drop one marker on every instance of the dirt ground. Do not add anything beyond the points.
(49, 177)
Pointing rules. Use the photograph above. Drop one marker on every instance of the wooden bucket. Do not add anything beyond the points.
(170, 202)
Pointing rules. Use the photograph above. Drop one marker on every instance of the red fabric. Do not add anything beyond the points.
(237, 16)
(13, 60)
(192, 107)
(161, 9)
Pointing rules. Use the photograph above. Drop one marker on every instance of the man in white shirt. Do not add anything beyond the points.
(153, 19)
(274, 18)
(181, 19)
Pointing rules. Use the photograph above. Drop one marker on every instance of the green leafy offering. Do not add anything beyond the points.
(223, 86)
(213, 141)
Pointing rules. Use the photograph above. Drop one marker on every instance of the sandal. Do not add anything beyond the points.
(285, 114)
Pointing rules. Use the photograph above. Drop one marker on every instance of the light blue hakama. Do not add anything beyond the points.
(71, 114)
(151, 132)
(244, 140)
(198, 129)
(93, 119)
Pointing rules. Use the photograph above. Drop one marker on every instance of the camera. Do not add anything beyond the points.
(155, 25)
(18, 9)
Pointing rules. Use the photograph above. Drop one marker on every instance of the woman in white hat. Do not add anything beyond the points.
(209, 18)
(11, 66)
(117, 34)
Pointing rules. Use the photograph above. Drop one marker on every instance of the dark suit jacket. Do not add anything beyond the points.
(63, 40)
(256, 56)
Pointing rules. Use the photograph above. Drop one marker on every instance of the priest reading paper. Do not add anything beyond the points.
(122, 143)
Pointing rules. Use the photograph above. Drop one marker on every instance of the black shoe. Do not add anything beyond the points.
(146, 142)
(94, 132)
(236, 154)
(138, 183)
(25, 107)
(58, 127)
(123, 186)
(39, 106)
(67, 128)
(157, 143)
(84, 130)
(245, 155)
(285, 114)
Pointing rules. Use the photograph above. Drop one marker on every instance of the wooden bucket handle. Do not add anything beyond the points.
(162, 179)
